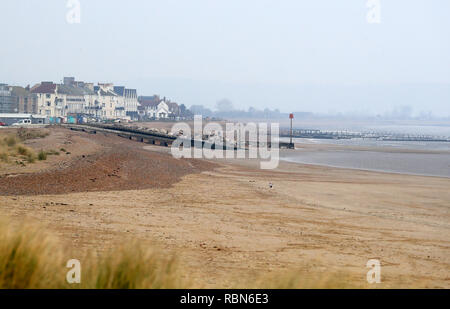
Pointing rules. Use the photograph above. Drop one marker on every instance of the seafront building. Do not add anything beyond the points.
(26, 101)
(75, 101)
(7, 102)
(48, 103)
(130, 101)
(155, 108)
(111, 107)
(14, 99)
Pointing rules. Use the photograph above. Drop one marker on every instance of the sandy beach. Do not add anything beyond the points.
(226, 223)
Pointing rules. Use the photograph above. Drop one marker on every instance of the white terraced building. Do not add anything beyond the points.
(130, 101)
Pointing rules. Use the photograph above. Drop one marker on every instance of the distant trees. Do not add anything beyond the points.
(185, 112)
(399, 112)
(224, 106)
(201, 110)
(225, 109)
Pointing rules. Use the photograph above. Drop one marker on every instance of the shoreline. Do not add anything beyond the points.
(365, 169)
(405, 161)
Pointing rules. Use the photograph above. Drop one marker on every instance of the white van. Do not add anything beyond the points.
(23, 122)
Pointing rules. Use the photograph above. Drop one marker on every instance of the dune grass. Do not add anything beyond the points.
(32, 259)
(12, 150)
(25, 134)
(133, 266)
(28, 258)
(42, 155)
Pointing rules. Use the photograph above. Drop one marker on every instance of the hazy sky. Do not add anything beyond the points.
(316, 55)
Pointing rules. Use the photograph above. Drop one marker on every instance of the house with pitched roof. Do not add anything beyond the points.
(111, 106)
(153, 108)
(48, 103)
(99, 102)
(73, 98)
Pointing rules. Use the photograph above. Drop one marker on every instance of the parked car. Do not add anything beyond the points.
(2, 124)
(23, 122)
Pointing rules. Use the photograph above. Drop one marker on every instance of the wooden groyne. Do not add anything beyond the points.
(318, 134)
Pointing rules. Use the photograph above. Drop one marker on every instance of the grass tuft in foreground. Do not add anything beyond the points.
(134, 267)
(28, 258)
(31, 259)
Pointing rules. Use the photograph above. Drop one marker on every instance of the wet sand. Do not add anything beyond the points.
(229, 227)
(433, 163)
